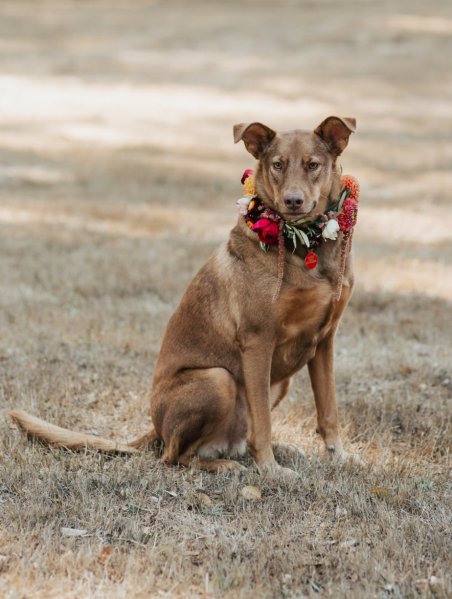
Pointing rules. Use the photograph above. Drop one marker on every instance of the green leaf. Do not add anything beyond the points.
(264, 246)
(302, 237)
(301, 221)
(343, 197)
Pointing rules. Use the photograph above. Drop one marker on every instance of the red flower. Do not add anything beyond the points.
(268, 231)
(246, 174)
(348, 216)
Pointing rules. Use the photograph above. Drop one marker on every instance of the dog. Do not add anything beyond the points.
(232, 346)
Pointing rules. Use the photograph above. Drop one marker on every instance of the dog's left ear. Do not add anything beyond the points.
(335, 131)
(255, 136)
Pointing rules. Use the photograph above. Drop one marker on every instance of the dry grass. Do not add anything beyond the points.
(118, 178)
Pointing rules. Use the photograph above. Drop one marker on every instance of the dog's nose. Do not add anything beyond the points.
(293, 201)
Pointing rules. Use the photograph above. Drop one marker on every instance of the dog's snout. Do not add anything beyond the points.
(293, 201)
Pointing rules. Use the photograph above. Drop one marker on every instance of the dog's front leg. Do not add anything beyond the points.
(321, 372)
(256, 361)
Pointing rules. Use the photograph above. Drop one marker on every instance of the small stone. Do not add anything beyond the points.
(251, 493)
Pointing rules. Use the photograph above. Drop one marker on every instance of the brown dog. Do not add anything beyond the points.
(229, 351)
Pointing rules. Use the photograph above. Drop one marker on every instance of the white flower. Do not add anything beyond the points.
(243, 204)
(330, 229)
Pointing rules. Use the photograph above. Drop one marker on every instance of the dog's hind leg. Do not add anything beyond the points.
(218, 466)
(194, 415)
(146, 440)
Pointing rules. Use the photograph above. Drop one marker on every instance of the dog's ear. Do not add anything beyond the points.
(335, 131)
(255, 136)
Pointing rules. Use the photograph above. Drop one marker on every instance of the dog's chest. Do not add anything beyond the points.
(304, 312)
(304, 317)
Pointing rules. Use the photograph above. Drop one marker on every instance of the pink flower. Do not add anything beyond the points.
(246, 174)
(348, 216)
(268, 231)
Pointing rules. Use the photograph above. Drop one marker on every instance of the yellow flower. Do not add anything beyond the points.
(248, 186)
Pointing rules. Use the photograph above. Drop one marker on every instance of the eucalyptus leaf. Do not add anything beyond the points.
(301, 221)
(302, 237)
(305, 238)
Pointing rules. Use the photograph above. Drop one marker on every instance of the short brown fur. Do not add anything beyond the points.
(229, 353)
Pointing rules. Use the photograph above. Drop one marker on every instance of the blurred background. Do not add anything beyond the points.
(119, 177)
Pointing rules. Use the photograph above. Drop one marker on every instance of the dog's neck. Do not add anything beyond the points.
(323, 240)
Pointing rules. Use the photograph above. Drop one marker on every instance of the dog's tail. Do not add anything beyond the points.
(63, 437)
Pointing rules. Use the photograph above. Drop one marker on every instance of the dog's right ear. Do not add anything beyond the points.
(335, 131)
(255, 136)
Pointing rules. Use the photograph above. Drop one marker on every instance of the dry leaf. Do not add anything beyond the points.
(406, 370)
(251, 493)
(379, 491)
(203, 499)
(422, 585)
(104, 554)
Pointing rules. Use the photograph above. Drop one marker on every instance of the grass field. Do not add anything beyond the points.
(118, 178)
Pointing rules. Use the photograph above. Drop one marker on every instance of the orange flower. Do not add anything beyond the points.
(349, 182)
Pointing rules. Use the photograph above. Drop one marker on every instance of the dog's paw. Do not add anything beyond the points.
(230, 466)
(339, 456)
(355, 459)
(276, 472)
(287, 474)
(287, 450)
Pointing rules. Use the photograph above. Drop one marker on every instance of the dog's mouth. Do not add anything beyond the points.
(292, 215)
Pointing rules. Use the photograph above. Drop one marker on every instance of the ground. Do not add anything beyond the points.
(118, 177)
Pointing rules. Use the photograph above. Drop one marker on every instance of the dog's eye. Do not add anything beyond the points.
(277, 165)
(312, 166)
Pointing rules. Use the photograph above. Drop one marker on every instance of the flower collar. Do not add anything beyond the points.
(341, 215)
(271, 228)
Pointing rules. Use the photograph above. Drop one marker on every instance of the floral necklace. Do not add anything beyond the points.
(271, 228)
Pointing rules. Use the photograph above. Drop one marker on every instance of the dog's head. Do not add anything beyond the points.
(296, 172)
